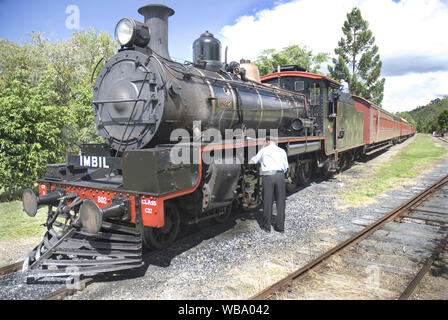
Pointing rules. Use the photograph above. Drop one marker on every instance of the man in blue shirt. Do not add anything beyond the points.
(274, 165)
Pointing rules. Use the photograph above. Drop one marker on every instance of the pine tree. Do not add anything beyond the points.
(358, 61)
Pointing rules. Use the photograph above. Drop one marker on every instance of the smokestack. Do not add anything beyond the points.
(156, 17)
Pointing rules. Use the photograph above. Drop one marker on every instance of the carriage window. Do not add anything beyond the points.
(299, 85)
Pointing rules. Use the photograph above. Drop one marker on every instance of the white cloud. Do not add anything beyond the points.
(412, 90)
(295, 22)
(408, 28)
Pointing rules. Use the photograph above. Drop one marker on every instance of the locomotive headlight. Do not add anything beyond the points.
(124, 32)
(129, 32)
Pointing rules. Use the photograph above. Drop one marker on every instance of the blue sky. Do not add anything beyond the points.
(408, 32)
(192, 17)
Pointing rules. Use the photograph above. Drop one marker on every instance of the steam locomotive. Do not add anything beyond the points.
(177, 140)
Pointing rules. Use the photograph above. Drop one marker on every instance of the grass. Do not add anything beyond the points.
(409, 163)
(16, 225)
(17, 195)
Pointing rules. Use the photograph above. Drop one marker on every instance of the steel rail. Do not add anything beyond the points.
(425, 268)
(11, 268)
(443, 139)
(353, 240)
(68, 290)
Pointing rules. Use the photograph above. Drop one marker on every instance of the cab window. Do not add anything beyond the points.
(299, 85)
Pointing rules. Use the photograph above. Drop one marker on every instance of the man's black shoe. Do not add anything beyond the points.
(279, 230)
(265, 229)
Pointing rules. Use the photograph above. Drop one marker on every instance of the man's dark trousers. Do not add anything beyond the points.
(274, 189)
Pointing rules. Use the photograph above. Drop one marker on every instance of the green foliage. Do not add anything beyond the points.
(45, 102)
(270, 59)
(426, 117)
(358, 61)
(408, 118)
(30, 130)
(442, 120)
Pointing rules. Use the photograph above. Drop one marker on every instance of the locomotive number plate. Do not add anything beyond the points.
(95, 162)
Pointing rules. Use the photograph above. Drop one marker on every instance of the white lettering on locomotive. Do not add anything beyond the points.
(85, 161)
(93, 162)
(102, 200)
(149, 202)
(44, 189)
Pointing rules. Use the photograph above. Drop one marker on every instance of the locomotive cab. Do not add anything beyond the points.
(295, 78)
(333, 111)
(321, 92)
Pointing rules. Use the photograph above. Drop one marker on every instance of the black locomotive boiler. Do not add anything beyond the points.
(107, 201)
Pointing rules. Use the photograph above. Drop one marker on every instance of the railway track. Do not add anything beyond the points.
(11, 268)
(61, 292)
(402, 212)
(55, 295)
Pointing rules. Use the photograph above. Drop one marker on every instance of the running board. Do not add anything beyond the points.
(379, 149)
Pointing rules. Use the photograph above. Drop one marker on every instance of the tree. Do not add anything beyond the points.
(427, 116)
(442, 120)
(46, 102)
(30, 131)
(408, 118)
(270, 59)
(358, 61)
